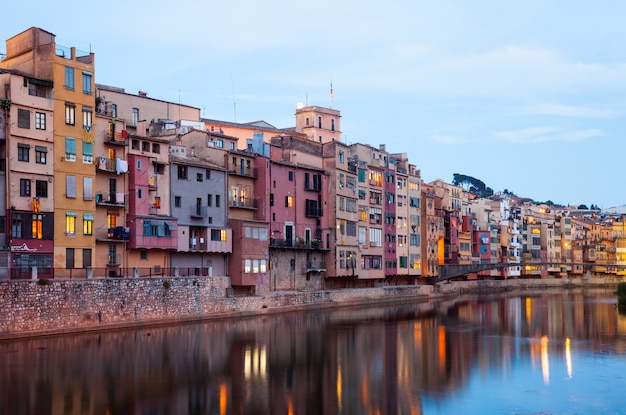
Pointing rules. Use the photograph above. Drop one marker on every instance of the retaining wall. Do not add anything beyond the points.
(28, 308)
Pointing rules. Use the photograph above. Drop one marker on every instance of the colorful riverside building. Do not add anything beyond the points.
(27, 173)
(70, 75)
(298, 214)
(134, 180)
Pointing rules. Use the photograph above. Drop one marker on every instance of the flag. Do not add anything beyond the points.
(87, 134)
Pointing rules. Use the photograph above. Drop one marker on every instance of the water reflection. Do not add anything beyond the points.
(546, 352)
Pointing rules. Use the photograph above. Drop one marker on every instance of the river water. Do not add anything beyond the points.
(549, 352)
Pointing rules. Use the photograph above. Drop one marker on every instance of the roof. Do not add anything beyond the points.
(195, 161)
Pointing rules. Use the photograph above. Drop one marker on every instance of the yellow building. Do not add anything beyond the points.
(34, 52)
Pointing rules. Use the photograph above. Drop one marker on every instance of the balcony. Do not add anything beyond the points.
(116, 165)
(111, 199)
(243, 171)
(243, 202)
(297, 244)
(198, 211)
(118, 138)
(315, 266)
(117, 234)
(313, 212)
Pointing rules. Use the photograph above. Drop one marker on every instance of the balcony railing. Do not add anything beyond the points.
(243, 171)
(115, 165)
(247, 202)
(288, 243)
(111, 199)
(198, 211)
(119, 138)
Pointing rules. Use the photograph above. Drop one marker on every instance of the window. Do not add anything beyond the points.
(182, 172)
(143, 255)
(86, 257)
(69, 78)
(114, 110)
(134, 144)
(219, 235)
(217, 200)
(139, 165)
(341, 157)
(23, 118)
(207, 174)
(87, 78)
(156, 148)
(139, 193)
(87, 153)
(135, 116)
(41, 154)
(23, 152)
(24, 187)
(199, 177)
(288, 201)
(88, 224)
(70, 113)
(219, 143)
(112, 257)
(291, 176)
(87, 117)
(145, 146)
(41, 188)
(232, 146)
(69, 258)
(319, 122)
(37, 227)
(70, 149)
(70, 186)
(40, 121)
(176, 201)
(209, 200)
(247, 266)
(87, 188)
(70, 223)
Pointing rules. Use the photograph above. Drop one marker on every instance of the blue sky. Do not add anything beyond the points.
(526, 96)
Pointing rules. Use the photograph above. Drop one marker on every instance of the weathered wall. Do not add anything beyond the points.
(74, 305)
(28, 308)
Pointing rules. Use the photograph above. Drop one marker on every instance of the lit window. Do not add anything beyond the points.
(247, 267)
(88, 224)
(70, 223)
(288, 201)
(37, 227)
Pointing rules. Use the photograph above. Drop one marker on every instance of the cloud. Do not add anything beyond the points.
(545, 134)
(570, 111)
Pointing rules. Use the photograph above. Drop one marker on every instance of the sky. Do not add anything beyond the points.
(527, 96)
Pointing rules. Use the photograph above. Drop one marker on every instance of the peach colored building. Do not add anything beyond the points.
(28, 159)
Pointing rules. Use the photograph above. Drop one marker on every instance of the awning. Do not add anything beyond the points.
(171, 225)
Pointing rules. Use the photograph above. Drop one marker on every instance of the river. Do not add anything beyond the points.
(546, 352)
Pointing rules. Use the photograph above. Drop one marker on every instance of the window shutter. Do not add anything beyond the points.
(70, 186)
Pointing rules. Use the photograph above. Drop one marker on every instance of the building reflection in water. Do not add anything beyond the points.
(366, 360)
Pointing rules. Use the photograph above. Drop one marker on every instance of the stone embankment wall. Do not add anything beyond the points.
(28, 308)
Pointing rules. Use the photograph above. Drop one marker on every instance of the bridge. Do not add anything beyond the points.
(451, 271)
